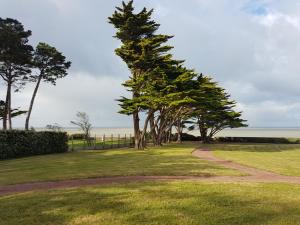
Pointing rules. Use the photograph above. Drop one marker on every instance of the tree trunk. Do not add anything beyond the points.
(137, 132)
(179, 139)
(9, 111)
(6, 107)
(204, 136)
(153, 130)
(31, 103)
(179, 131)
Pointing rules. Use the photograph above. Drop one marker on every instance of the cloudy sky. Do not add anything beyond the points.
(251, 47)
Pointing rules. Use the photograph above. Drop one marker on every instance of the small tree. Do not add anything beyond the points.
(50, 65)
(14, 112)
(83, 122)
(54, 127)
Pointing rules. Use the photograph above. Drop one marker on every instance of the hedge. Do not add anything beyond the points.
(17, 143)
(259, 140)
(186, 137)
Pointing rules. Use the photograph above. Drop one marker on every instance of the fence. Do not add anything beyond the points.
(101, 142)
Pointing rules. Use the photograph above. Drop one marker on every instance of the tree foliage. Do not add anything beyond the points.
(14, 112)
(15, 60)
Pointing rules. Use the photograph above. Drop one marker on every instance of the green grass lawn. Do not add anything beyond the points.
(169, 160)
(279, 158)
(172, 203)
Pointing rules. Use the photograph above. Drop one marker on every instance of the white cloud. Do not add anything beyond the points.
(254, 52)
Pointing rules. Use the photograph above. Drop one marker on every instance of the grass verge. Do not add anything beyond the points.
(184, 203)
(168, 160)
(279, 158)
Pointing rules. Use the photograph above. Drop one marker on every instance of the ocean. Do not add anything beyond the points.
(239, 132)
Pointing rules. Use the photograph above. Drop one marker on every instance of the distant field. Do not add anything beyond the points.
(168, 160)
(279, 158)
(176, 203)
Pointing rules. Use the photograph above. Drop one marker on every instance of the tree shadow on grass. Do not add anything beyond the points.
(151, 203)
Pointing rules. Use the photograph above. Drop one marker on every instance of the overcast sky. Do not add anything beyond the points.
(251, 47)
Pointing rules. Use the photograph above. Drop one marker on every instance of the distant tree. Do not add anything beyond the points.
(15, 60)
(50, 65)
(83, 122)
(54, 127)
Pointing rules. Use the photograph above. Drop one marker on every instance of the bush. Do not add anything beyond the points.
(259, 140)
(16, 143)
(186, 137)
(77, 136)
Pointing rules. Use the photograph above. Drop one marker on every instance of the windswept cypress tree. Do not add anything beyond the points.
(162, 88)
(143, 51)
(212, 110)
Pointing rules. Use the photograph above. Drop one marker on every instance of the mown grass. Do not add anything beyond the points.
(182, 203)
(168, 160)
(280, 158)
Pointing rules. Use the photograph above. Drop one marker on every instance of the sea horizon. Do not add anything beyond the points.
(283, 132)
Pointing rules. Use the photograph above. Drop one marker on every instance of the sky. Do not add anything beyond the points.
(251, 47)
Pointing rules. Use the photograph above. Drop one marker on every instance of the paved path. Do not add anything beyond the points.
(255, 175)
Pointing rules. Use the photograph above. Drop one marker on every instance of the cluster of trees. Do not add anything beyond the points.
(163, 89)
(20, 64)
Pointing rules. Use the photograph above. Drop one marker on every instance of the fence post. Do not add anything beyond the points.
(95, 142)
(72, 143)
(112, 141)
(125, 141)
(118, 140)
(129, 140)
(103, 142)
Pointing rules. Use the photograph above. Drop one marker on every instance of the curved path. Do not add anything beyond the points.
(254, 175)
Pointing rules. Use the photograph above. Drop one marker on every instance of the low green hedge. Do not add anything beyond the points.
(17, 143)
(259, 140)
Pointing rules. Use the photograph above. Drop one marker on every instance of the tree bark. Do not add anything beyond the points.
(32, 102)
(9, 111)
(153, 129)
(137, 132)
(179, 131)
(6, 107)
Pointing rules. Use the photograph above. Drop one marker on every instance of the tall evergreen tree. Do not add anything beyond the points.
(15, 60)
(50, 65)
(142, 50)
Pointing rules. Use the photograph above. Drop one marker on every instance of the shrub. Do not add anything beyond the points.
(259, 140)
(186, 137)
(77, 136)
(16, 143)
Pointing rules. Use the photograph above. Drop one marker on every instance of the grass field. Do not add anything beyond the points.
(169, 160)
(184, 203)
(279, 158)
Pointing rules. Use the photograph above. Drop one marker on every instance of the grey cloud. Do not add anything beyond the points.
(251, 47)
